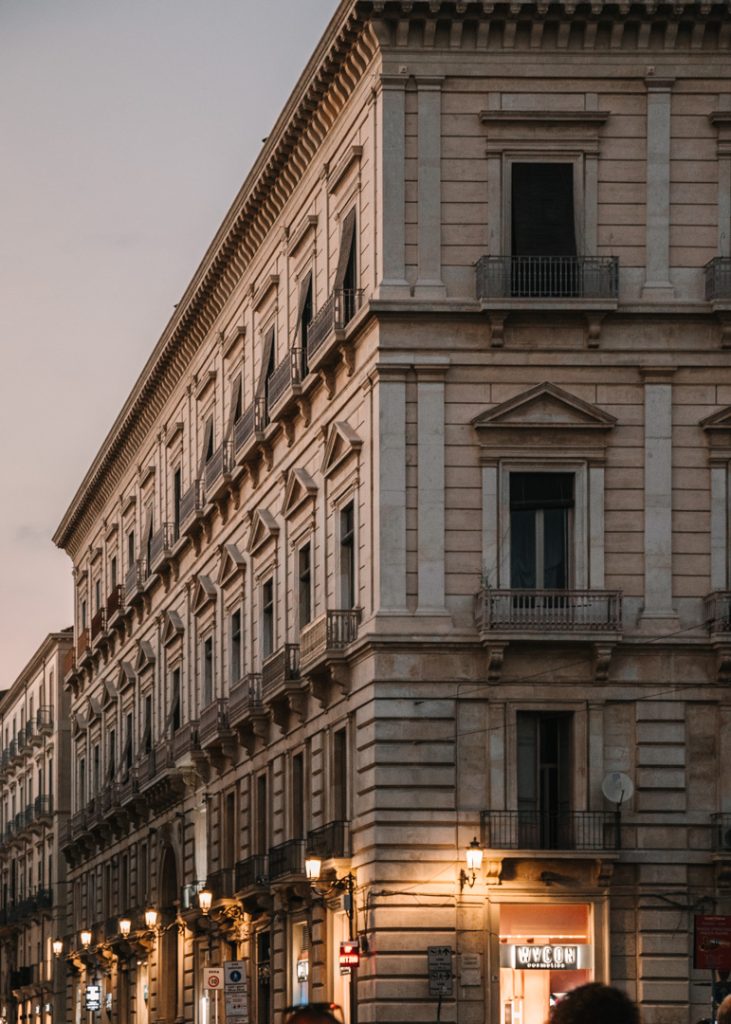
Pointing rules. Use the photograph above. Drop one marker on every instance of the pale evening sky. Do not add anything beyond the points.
(126, 129)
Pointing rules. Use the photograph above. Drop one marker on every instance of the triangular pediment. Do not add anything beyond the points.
(109, 693)
(205, 592)
(720, 420)
(125, 676)
(342, 441)
(264, 527)
(717, 428)
(545, 407)
(233, 563)
(94, 707)
(300, 488)
(172, 627)
(145, 656)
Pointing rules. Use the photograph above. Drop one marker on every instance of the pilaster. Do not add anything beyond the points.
(429, 283)
(431, 481)
(657, 284)
(392, 188)
(658, 493)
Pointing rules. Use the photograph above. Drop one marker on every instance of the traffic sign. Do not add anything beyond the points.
(440, 970)
(234, 972)
(213, 977)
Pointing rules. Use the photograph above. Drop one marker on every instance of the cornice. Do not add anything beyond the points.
(53, 643)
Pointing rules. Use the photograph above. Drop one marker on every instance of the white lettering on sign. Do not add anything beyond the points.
(440, 970)
(546, 957)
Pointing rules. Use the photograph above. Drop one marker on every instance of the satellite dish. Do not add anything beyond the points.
(617, 787)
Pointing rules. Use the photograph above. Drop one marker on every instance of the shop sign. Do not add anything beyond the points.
(349, 955)
(303, 970)
(550, 957)
(712, 942)
(93, 997)
(440, 970)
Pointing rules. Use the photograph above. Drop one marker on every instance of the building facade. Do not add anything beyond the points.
(414, 531)
(34, 763)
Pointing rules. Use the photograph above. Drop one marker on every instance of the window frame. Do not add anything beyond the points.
(541, 157)
(265, 618)
(349, 499)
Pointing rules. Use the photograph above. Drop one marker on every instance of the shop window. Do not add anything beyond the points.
(267, 618)
(347, 556)
(541, 507)
(304, 568)
(300, 963)
(544, 780)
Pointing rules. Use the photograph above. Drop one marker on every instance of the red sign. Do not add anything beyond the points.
(349, 953)
(712, 942)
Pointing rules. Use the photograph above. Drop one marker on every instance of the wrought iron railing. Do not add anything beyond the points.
(98, 622)
(191, 503)
(244, 698)
(244, 428)
(220, 464)
(162, 543)
(718, 611)
(44, 719)
(331, 840)
(213, 721)
(43, 806)
(332, 631)
(136, 576)
(279, 667)
(548, 277)
(540, 830)
(82, 643)
(718, 278)
(222, 883)
(287, 859)
(337, 312)
(285, 376)
(115, 601)
(186, 739)
(548, 611)
(252, 872)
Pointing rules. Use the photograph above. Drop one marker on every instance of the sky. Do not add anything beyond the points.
(126, 130)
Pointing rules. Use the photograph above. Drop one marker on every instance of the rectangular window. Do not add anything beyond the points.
(146, 743)
(541, 507)
(261, 834)
(543, 230)
(207, 670)
(267, 619)
(346, 272)
(113, 573)
(83, 615)
(130, 549)
(97, 595)
(142, 893)
(82, 783)
(174, 717)
(544, 779)
(236, 647)
(304, 318)
(112, 754)
(304, 559)
(340, 776)
(128, 745)
(96, 768)
(177, 496)
(347, 556)
(298, 796)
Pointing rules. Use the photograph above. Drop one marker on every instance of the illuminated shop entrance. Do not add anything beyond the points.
(545, 951)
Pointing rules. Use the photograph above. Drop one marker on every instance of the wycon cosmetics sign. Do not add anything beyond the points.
(552, 957)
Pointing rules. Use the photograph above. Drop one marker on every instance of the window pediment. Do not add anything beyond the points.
(544, 419)
(233, 563)
(145, 656)
(204, 594)
(264, 527)
(109, 693)
(299, 489)
(125, 676)
(342, 441)
(717, 428)
(172, 627)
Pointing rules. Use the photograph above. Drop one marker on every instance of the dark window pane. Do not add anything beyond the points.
(542, 206)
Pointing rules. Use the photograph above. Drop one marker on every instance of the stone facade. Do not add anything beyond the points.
(414, 529)
(34, 764)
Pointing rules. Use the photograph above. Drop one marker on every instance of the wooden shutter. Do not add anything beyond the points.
(347, 237)
(207, 445)
(236, 401)
(542, 206)
(266, 358)
(305, 287)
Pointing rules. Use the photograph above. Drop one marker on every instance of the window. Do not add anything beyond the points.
(298, 796)
(83, 614)
(229, 851)
(208, 443)
(207, 670)
(128, 746)
(543, 233)
(347, 556)
(304, 316)
(174, 716)
(96, 768)
(82, 783)
(97, 595)
(267, 618)
(130, 549)
(177, 496)
(540, 525)
(146, 744)
(149, 523)
(113, 573)
(340, 776)
(261, 833)
(304, 569)
(112, 754)
(142, 893)
(544, 779)
(236, 647)
(346, 273)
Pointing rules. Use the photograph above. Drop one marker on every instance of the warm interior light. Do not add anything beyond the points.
(313, 866)
(151, 919)
(125, 927)
(57, 947)
(473, 855)
(86, 938)
(205, 899)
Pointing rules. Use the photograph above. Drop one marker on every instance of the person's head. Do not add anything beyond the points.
(313, 1013)
(723, 1015)
(595, 1004)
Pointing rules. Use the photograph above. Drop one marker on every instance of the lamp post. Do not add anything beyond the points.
(473, 858)
(313, 868)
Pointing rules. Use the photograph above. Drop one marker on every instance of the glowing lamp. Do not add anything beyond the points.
(85, 938)
(313, 866)
(151, 919)
(125, 927)
(205, 899)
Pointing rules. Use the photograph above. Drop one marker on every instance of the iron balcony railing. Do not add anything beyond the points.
(718, 611)
(332, 631)
(44, 720)
(31, 729)
(548, 277)
(244, 428)
(98, 623)
(191, 503)
(115, 601)
(186, 740)
(69, 662)
(339, 309)
(279, 667)
(287, 859)
(222, 883)
(332, 840)
(541, 830)
(43, 806)
(82, 643)
(213, 721)
(547, 611)
(718, 278)
(251, 873)
(136, 577)
(721, 833)
(220, 464)
(244, 698)
(287, 375)
(162, 543)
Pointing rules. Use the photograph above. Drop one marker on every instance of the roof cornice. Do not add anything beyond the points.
(62, 640)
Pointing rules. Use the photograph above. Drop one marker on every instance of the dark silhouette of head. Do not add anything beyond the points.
(313, 1013)
(595, 1004)
(724, 1011)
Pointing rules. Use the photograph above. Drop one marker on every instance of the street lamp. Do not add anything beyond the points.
(205, 899)
(125, 927)
(313, 866)
(85, 938)
(57, 947)
(151, 916)
(473, 857)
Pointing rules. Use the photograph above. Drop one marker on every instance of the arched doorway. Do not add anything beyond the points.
(168, 959)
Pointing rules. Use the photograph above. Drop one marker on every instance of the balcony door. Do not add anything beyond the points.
(541, 507)
(543, 230)
(544, 780)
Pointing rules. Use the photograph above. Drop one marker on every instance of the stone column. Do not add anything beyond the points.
(657, 232)
(392, 189)
(658, 493)
(429, 284)
(719, 527)
(390, 481)
(430, 433)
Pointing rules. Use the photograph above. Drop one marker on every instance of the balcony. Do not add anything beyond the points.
(284, 385)
(287, 859)
(246, 711)
(23, 740)
(326, 637)
(216, 735)
(328, 326)
(162, 543)
(83, 648)
(331, 842)
(548, 281)
(43, 809)
(128, 789)
(718, 280)
(160, 782)
(251, 873)
(580, 831)
(23, 977)
(222, 883)
(68, 665)
(245, 432)
(44, 721)
(135, 579)
(550, 614)
(31, 733)
(115, 605)
(191, 507)
(109, 801)
(98, 625)
(283, 689)
(218, 470)
(717, 609)
(186, 741)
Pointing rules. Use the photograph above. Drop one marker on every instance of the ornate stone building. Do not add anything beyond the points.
(34, 764)
(414, 530)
